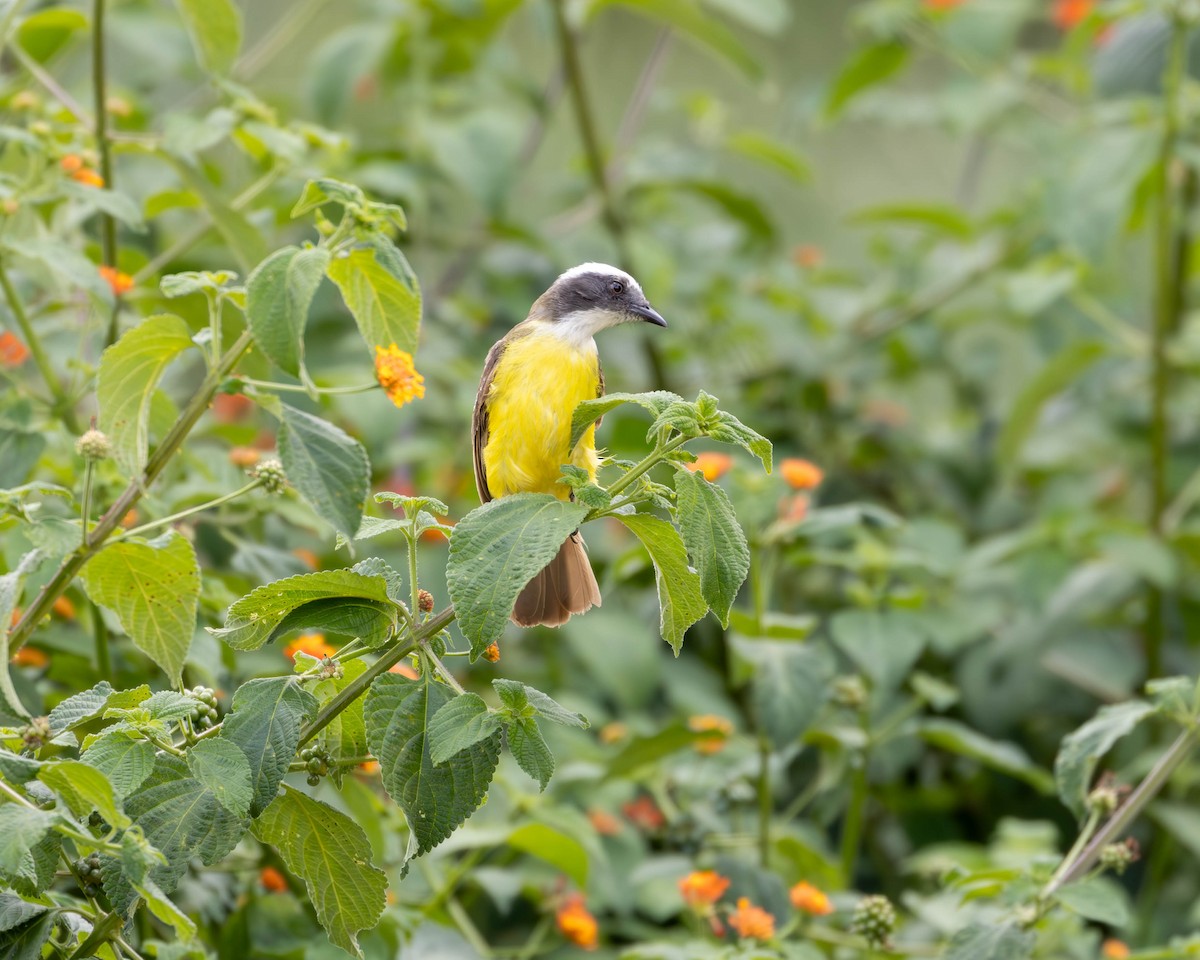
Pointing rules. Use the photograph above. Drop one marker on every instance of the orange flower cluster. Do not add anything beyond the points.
(644, 814)
(576, 923)
(603, 822)
(1068, 14)
(807, 898)
(712, 466)
(272, 880)
(74, 167)
(492, 653)
(307, 557)
(397, 375)
(808, 256)
(702, 888)
(314, 644)
(404, 669)
(30, 657)
(369, 767)
(231, 407)
(1114, 950)
(751, 922)
(119, 282)
(64, 608)
(244, 457)
(941, 4)
(710, 721)
(801, 474)
(13, 352)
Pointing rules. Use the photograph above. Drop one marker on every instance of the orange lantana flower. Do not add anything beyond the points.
(801, 474)
(64, 608)
(603, 822)
(710, 721)
(576, 923)
(271, 879)
(808, 256)
(941, 4)
(711, 465)
(1068, 14)
(244, 457)
(702, 888)
(13, 352)
(752, 922)
(119, 281)
(307, 557)
(231, 407)
(30, 657)
(806, 897)
(404, 669)
(397, 375)
(314, 644)
(1114, 950)
(644, 813)
(369, 767)
(88, 177)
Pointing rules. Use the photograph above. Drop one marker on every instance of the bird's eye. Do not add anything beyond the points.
(616, 287)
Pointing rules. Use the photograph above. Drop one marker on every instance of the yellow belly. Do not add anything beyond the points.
(539, 381)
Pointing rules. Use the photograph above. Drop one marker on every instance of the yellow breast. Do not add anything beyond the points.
(539, 381)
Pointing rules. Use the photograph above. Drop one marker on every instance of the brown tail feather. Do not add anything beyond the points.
(566, 586)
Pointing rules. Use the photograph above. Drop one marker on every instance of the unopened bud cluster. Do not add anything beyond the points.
(1118, 856)
(93, 445)
(425, 601)
(849, 691)
(270, 474)
(317, 762)
(204, 714)
(88, 869)
(36, 734)
(874, 920)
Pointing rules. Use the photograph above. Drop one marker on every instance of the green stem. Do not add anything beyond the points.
(73, 562)
(45, 368)
(199, 508)
(301, 388)
(1081, 841)
(100, 639)
(52, 86)
(441, 669)
(101, 933)
(1125, 814)
(1168, 303)
(852, 828)
(214, 322)
(410, 538)
(86, 508)
(389, 658)
(764, 802)
(656, 456)
(108, 224)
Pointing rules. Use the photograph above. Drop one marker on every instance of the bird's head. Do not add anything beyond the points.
(591, 297)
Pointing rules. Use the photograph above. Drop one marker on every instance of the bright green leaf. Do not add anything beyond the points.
(382, 293)
(129, 374)
(215, 28)
(714, 540)
(460, 723)
(221, 765)
(327, 466)
(21, 827)
(869, 67)
(590, 411)
(679, 598)
(154, 591)
(84, 789)
(126, 761)
(1096, 898)
(530, 750)
(560, 850)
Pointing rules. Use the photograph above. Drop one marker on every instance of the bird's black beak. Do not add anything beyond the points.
(648, 313)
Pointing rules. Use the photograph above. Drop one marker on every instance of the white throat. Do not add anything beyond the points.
(581, 326)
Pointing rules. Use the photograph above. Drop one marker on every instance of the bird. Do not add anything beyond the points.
(533, 379)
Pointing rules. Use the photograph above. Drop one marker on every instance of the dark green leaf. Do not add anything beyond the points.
(679, 598)
(278, 295)
(1081, 750)
(221, 765)
(729, 429)
(788, 687)
(530, 750)
(1005, 757)
(327, 466)
(265, 722)
(590, 411)
(11, 585)
(496, 550)
(372, 621)
(435, 798)
(460, 723)
(714, 540)
(20, 828)
(1001, 941)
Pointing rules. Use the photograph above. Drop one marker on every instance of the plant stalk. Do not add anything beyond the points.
(1169, 301)
(199, 508)
(108, 225)
(653, 458)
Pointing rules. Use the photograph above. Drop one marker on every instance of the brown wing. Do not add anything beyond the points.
(479, 421)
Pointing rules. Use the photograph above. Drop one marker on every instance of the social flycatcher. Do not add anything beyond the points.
(532, 381)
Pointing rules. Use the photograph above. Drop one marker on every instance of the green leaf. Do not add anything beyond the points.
(331, 854)
(560, 850)
(1096, 898)
(689, 19)
(1002, 941)
(642, 752)
(1005, 757)
(737, 205)
(252, 620)
(20, 449)
(772, 153)
(38, 872)
(11, 585)
(89, 704)
(460, 723)
(265, 722)
(324, 190)
(372, 621)
(590, 411)
(939, 217)
(83, 788)
(327, 466)
(278, 295)
(44, 32)
(1059, 373)
(530, 749)
(125, 761)
(221, 765)
(883, 644)
(159, 904)
(14, 911)
(182, 819)
(788, 687)
(496, 550)
(21, 827)
(215, 28)
(729, 429)
(714, 540)
(679, 598)
(435, 798)
(129, 374)
(16, 768)
(869, 67)
(382, 293)
(519, 695)
(26, 942)
(1081, 750)
(154, 591)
